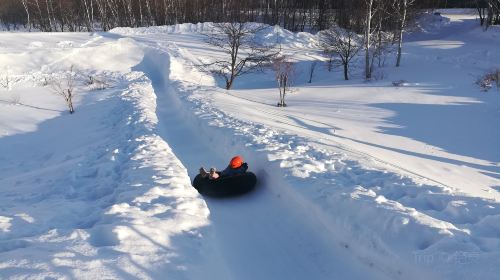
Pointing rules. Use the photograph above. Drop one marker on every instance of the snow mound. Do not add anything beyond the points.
(431, 23)
(176, 28)
(457, 11)
(84, 202)
(270, 35)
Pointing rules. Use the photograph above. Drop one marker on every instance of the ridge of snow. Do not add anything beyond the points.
(273, 34)
(115, 203)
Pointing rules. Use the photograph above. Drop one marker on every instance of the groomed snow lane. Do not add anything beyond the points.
(261, 235)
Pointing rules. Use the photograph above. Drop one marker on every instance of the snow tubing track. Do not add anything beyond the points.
(225, 186)
(294, 246)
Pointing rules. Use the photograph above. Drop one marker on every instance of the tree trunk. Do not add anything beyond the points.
(401, 30)
(368, 72)
(229, 83)
(346, 71)
(25, 5)
(88, 13)
(69, 101)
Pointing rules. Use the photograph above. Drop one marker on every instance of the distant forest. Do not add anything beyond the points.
(295, 15)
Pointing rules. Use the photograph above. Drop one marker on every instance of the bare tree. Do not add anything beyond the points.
(342, 42)
(369, 11)
(481, 10)
(384, 45)
(97, 83)
(379, 25)
(242, 53)
(330, 61)
(488, 11)
(401, 8)
(493, 13)
(311, 71)
(284, 71)
(488, 80)
(25, 6)
(5, 79)
(64, 87)
(89, 13)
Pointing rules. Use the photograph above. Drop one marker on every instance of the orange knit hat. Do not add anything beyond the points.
(236, 162)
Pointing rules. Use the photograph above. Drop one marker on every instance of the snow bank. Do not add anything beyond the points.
(269, 35)
(61, 55)
(157, 192)
(430, 23)
(458, 11)
(101, 195)
(177, 28)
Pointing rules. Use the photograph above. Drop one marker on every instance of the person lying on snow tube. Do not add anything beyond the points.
(236, 166)
(232, 181)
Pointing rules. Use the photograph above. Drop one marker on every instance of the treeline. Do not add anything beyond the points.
(295, 15)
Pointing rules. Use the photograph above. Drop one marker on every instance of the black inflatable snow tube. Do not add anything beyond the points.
(225, 186)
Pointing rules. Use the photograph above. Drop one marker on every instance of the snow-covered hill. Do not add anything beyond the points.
(356, 180)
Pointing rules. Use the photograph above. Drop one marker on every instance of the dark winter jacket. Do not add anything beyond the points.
(234, 171)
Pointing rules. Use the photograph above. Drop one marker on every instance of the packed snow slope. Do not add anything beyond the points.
(357, 180)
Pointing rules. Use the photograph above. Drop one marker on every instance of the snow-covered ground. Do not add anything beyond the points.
(357, 179)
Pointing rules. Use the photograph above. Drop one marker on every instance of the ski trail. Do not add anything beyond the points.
(263, 235)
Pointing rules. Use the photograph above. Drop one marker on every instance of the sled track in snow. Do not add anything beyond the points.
(265, 234)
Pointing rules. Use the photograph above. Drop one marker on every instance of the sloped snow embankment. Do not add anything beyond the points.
(102, 196)
(386, 219)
